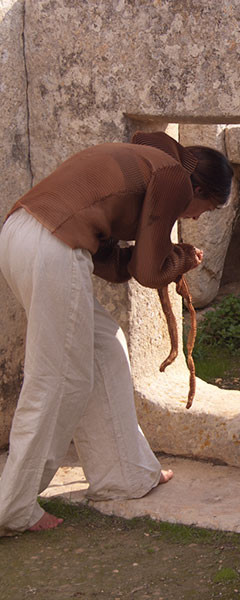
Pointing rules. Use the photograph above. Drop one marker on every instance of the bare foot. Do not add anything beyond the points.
(47, 521)
(165, 476)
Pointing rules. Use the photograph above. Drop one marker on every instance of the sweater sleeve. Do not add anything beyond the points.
(110, 262)
(155, 260)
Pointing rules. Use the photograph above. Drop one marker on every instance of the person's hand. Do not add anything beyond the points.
(198, 257)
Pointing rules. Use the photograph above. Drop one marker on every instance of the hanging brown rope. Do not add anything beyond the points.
(183, 290)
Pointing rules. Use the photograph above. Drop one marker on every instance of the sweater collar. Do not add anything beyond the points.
(162, 141)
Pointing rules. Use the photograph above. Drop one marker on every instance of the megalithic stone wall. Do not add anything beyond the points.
(77, 73)
(15, 175)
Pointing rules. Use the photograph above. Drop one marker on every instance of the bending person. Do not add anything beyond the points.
(77, 380)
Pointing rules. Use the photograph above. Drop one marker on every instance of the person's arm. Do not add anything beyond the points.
(110, 262)
(155, 260)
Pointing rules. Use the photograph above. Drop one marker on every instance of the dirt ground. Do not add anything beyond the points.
(93, 556)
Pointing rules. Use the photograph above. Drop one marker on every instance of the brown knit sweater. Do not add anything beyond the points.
(113, 192)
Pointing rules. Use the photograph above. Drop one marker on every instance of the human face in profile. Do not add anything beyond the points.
(198, 205)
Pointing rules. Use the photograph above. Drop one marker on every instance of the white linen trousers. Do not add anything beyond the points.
(77, 382)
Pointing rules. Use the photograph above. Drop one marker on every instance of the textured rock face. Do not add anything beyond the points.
(233, 143)
(90, 62)
(209, 430)
(15, 179)
(77, 73)
(212, 231)
(14, 160)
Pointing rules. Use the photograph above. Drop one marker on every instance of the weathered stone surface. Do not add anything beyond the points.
(15, 175)
(210, 429)
(114, 297)
(212, 231)
(206, 135)
(14, 159)
(72, 71)
(201, 493)
(94, 61)
(11, 360)
(233, 143)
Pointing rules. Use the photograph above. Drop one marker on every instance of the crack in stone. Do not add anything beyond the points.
(27, 95)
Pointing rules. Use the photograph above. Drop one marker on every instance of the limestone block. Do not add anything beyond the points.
(212, 135)
(212, 231)
(210, 429)
(89, 63)
(233, 143)
(15, 173)
(114, 297)
(137, 310)
(13, 328)
(15, 178)
(149, 339)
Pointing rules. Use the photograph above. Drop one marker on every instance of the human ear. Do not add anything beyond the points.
(198, 191)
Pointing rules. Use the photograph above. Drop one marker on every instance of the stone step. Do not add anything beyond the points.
(200, 494)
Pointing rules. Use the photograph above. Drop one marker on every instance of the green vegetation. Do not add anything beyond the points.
(220, 367)
(217, 347)
(220, 327)
(226, 574)
(174, 532)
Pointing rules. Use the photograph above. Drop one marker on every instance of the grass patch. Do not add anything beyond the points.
(173, 532)
(216, 352)
(217, 363)
(225, 574)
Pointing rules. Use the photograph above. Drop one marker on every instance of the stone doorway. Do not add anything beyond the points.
(217, 234)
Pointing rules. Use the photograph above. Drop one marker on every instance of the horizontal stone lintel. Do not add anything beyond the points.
(211, 119)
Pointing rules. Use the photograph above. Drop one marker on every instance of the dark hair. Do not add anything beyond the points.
(213, 173)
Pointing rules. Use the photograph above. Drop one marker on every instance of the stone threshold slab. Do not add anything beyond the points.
(200, 494)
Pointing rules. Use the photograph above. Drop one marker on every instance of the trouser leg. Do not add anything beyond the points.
(116, 457)
(54, 285)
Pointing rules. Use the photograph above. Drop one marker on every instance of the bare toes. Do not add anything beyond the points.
(166, 476)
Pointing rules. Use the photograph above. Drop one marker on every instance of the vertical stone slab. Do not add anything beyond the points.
(73, 102)
(149, 338)
(15, 178)
(212, 231)
(232, 140)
